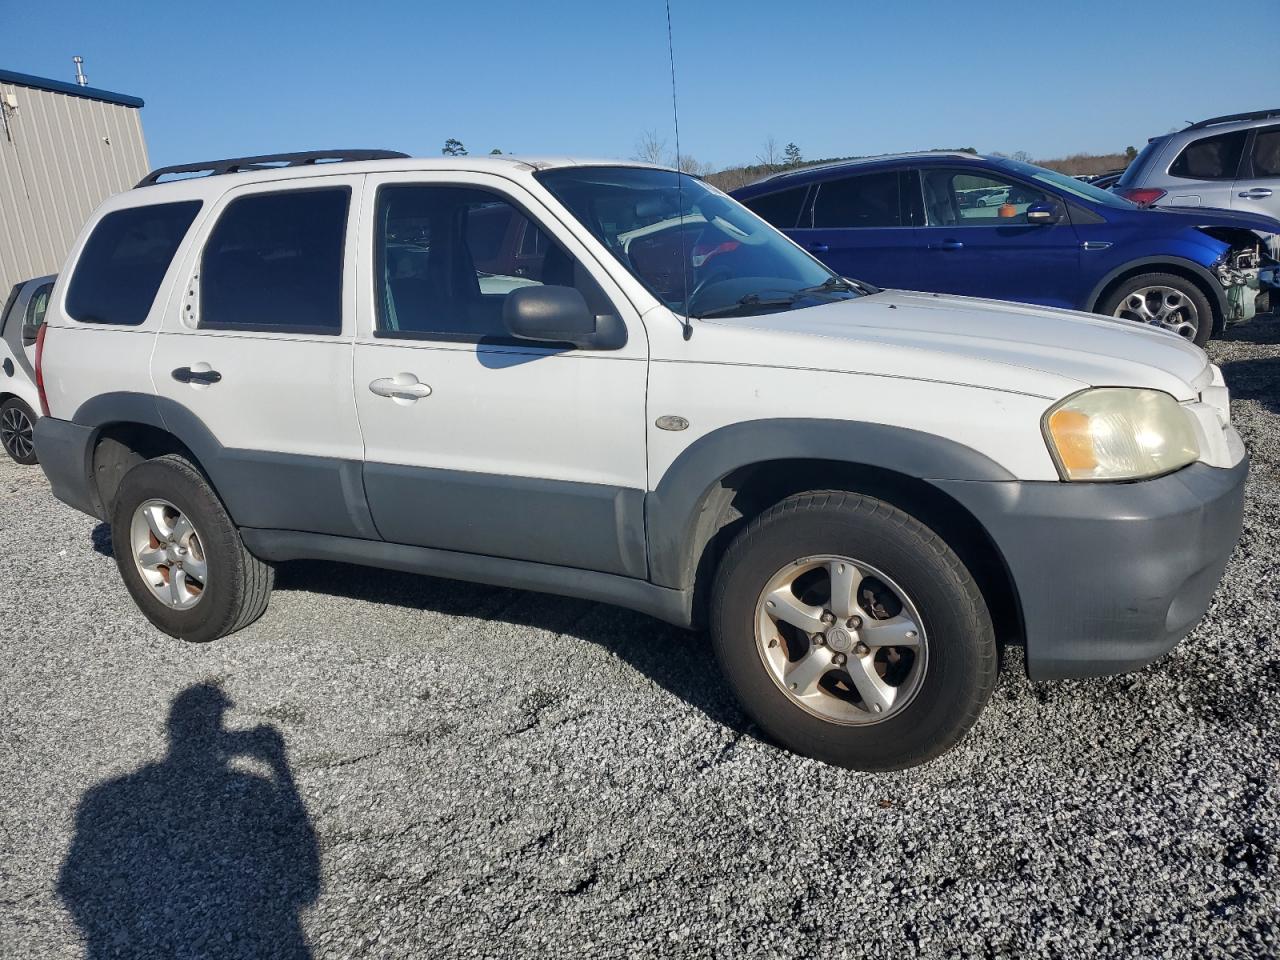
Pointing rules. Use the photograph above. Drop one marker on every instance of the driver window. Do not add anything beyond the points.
(447, 257)
(956, 199)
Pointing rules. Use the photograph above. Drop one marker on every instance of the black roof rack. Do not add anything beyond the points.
(269, 161)
(1234, 117)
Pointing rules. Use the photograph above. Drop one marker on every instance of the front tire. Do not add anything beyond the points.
(850, 632)
(1163, 300)
(181, 557)
(17, 427)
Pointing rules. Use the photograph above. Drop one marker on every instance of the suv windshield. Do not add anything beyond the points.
(695, 249)
(1085, 191)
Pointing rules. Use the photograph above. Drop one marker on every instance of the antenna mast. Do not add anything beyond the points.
(675, 117)
(80, 77)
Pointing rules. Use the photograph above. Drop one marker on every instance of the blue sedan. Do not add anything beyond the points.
(997, 228)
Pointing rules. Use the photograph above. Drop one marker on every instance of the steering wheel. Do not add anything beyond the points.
(705, 282)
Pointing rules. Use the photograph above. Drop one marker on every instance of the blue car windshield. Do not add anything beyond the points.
(1078, 188)
(698, 251)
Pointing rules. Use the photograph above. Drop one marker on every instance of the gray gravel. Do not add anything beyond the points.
(415, 767)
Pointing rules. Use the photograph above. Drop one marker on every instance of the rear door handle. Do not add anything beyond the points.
(947, 245)
(403, 387)
(1256, 193)
(818, 247)
(205, 376)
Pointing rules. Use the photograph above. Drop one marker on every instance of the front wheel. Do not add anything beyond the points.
(181, 557)
(1163, 300)
(852, 633)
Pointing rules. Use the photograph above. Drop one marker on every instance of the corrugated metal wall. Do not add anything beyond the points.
(56, 166)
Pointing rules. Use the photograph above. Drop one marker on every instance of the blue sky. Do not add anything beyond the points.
(565, 76)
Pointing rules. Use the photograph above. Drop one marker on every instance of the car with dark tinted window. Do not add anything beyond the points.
(1231, 162)
(998, 228)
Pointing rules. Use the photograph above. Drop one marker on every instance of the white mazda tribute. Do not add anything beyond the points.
(611, 381)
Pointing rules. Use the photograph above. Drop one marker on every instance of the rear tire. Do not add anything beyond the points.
(1144, 297)
(165, 512)
(17, 424)
(951, 662)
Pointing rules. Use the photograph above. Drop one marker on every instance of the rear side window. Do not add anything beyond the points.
(124, 262)
(869, 200)
(782, 209)
(273, 262)
(1210, 158)
(1266, 152)
(38, 305)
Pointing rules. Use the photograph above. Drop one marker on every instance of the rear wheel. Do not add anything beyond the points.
(180, 555)
(1163, 300)
(17, 426)
(852, 633)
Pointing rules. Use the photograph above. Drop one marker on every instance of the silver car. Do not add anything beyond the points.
(1228, 162)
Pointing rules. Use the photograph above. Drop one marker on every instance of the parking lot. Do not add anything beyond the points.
(459, 771)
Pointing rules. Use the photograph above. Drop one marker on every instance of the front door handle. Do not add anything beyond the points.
(818, 247)
(947, 245)
(403, 388)
(1256, 193)
(201, 375)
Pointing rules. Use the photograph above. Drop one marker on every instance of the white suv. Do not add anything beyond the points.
(612, 381)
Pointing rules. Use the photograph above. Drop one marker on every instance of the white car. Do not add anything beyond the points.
(861, 492)
(19, 400)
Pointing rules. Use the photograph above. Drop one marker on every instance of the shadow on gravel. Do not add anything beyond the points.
(1261, 330)
(1257, 380)
(100, 537)
(679, 661)
(193, 856)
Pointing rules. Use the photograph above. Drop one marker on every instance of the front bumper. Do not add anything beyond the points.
(1110, 576)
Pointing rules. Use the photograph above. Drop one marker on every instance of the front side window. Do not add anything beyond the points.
(867, 200)
(274, 261)
(124, 262)
(1210, 158)
(447, 256)
(699, 252)
(1266, 152)
(954, 198)
(782, 209)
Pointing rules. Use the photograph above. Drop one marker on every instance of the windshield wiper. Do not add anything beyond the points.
(752, 300)
(839, 284)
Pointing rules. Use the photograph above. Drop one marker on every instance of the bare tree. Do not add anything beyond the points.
(1021, 156)
(769, 155)
(649, 148)
(686, 163)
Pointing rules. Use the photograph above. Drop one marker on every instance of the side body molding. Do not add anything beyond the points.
(677, 530)
(262, 489)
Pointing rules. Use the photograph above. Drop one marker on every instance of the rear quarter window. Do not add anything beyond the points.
(124, 261)
(1211, 158)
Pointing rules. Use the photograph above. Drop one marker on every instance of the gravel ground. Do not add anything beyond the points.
(389, 766)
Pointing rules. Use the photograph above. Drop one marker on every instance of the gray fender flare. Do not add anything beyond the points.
(673, 510)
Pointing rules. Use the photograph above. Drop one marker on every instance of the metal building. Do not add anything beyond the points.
(64, 148)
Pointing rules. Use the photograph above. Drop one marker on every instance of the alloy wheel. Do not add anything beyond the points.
(841, 640)
(1162, 306)
(16, 431)
(169, 554)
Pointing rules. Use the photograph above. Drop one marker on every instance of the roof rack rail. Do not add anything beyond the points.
(269, 161)
(1233, 117)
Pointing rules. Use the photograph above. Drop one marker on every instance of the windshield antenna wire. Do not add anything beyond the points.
(675, 117)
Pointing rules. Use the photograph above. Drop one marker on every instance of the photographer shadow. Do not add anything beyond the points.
(194, 855)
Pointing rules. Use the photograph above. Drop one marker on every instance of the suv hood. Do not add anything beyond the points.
(986, 343)
(1214, 217)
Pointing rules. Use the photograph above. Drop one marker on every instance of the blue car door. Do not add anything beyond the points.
(978, 242)
(863, 226)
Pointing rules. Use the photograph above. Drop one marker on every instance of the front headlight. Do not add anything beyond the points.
(1119, 433)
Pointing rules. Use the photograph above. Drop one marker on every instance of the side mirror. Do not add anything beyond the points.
(1044, 212)
(551, 314)
(30, 331)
